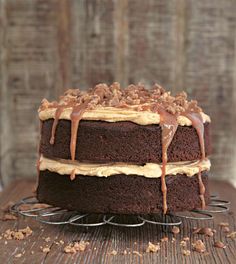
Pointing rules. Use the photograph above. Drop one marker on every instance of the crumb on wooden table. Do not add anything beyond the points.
(153, 248)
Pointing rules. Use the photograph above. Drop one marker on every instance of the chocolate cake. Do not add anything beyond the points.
(126, 151)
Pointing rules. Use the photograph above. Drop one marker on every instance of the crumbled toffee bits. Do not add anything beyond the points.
(136, 97)
(18, 235)
(75, 247)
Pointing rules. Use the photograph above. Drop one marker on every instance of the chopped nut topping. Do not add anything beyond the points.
(186, 252)
(76, 246)
(175, 230)
(199, 246)
(152, 247)
(219, 244)
(18, 235)
(136, 97)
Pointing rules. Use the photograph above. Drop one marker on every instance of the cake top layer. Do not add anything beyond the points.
(134, 97)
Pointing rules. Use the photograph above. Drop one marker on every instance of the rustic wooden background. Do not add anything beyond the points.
(47, 46)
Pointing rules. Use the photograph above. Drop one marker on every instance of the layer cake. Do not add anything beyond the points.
(126, 151)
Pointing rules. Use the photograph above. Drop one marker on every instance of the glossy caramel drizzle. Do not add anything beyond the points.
(197, 123)
(201, 189)
(76, 116)
(58, 113)
(169, 125)
(72, 175)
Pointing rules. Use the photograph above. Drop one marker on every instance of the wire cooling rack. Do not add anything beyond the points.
(47, 214)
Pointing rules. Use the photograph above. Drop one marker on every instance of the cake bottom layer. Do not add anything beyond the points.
(120, 194)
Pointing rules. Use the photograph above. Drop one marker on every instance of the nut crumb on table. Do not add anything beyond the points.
(153, 248)
(75, 247)
(18, 235)
(199, 246)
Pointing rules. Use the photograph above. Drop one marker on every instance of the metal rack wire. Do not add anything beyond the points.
(47, 214)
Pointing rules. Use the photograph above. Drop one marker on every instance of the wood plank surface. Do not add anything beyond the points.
(103, 240)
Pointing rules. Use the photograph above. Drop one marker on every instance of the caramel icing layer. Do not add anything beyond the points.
(149, 170)
(113, 114)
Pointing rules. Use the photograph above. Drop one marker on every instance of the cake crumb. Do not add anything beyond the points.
(114, 252)
(137, 253)
(5, 242)
(175, 230)
(8, 217)
(164, 239)
(45, 249)
(232, 235)
(76, 246)
(19, 255)
(183, 243)
(47, 239)
(125, 252)
(32, 252)
(173, 240)
(204, 231)
(61, 242)
(18, 235)
(219, 244)
(152, 247)
(186, 239)
(186, 252)
(225, 229)
(199, 246)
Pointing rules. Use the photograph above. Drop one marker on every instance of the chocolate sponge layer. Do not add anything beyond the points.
(121, 194)
(99, 141)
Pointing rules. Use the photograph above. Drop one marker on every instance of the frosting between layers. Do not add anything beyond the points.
(113, 114)
(149, 170)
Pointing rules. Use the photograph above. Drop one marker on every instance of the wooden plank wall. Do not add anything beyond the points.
(49, 45)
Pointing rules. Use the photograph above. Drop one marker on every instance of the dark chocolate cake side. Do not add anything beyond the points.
(120, 194)
(99, 141)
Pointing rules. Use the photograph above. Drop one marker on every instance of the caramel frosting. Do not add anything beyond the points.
(149, 170)
(113, 114)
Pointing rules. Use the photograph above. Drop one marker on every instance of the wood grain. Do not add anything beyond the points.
(47, 46)
(105, 239)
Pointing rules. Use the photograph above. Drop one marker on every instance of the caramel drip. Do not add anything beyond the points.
(169, 125)
(201, 189)
(197, 123)
(58, 113)
(76, 116)
(72, 175)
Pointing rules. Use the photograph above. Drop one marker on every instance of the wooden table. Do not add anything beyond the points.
(103, 240)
